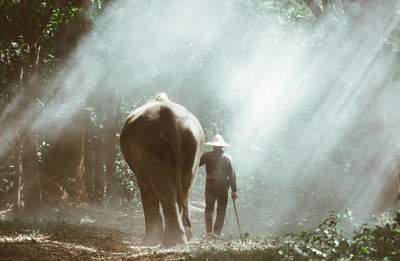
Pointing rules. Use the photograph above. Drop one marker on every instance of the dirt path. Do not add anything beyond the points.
(85, 233)
(83, 243)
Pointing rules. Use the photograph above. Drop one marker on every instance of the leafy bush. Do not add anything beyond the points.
(326, 242)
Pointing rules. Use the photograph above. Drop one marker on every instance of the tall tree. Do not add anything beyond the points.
(26, 27)
(113, 114)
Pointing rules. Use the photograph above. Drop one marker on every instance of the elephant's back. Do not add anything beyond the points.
(142, 130)
(164, 130)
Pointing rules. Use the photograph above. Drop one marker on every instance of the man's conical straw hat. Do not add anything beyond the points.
(217, 141)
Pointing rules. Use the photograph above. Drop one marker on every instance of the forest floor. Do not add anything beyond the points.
(86, 232)
(83, 232)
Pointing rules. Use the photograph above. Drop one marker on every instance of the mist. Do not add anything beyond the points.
(310, 111)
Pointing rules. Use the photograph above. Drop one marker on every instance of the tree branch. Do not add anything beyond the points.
(326, 5)
(3, 47)
(315, 9)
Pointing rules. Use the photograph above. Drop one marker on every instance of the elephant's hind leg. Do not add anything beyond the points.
(152, 216)
(174, 232)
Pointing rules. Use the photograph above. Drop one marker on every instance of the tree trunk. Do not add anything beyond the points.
(64, 159)
(99, 173)
(99, 169)
(110, 142)
(32, 194)
(314, 8)
(326, 7)
(113, 113)
(89, 164)
(79, 192)
(17, 165)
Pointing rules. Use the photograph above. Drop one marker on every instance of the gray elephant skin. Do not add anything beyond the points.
(162, 143)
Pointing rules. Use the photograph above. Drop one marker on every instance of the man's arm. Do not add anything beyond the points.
(231, 174)
(232, 181)
(202, 160)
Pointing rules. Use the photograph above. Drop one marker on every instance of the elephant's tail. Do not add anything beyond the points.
(172, 137)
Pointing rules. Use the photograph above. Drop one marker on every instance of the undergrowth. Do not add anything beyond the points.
(331, 240)
(326, 242)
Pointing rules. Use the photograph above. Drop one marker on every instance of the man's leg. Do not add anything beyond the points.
(209, 212)
(222, 200)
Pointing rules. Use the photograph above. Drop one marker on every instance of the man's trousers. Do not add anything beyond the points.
(220, 195)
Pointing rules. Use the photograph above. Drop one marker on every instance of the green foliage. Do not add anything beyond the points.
(289, 11)
(40, 27)
(126, 181)
(325, 242)
(378, 242)
(7, 177)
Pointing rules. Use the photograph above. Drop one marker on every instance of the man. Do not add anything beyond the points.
(220, 175)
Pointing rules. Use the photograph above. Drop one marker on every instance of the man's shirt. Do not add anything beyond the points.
(219, 164)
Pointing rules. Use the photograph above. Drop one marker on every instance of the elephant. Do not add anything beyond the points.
(162, 143)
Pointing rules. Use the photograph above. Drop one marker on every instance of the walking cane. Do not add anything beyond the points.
(237, 218)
